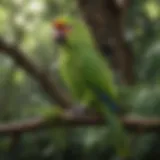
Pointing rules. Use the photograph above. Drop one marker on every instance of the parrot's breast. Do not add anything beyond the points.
(71, 74)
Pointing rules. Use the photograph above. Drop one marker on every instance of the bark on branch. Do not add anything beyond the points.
(131, 124)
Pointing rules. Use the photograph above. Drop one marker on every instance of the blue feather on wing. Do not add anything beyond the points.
(106, 99)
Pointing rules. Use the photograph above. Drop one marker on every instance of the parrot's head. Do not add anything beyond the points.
(61, 27)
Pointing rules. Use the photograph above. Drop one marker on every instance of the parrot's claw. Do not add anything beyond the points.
(77, 110)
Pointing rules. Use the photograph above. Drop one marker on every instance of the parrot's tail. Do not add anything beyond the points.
(119, 137)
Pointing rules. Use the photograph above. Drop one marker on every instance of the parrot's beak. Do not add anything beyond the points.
(60, 33)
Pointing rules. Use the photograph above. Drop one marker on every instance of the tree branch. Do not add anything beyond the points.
(45, 80)
(137, 125)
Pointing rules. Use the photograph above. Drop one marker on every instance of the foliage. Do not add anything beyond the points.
(27, 24)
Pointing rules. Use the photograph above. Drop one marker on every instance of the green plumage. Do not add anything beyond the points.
(84, 70)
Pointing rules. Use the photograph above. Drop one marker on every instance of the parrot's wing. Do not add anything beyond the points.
(99, 78)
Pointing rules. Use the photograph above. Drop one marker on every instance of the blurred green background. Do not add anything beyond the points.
(26, 23)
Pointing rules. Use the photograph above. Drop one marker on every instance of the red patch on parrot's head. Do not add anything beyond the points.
(61, 25)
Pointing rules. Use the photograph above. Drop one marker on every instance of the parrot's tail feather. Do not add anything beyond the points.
(107, 100)
(120, 141)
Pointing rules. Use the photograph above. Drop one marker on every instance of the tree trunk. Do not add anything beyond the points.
(105, 19)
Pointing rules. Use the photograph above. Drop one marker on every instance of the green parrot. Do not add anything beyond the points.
(88, 77)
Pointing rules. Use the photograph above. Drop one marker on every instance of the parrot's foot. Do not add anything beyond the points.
(77, 110)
